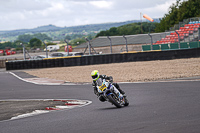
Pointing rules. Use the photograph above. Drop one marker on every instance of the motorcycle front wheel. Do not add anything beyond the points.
(126, 101)
(113, 101)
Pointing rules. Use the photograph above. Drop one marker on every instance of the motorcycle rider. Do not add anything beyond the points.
(98, 80)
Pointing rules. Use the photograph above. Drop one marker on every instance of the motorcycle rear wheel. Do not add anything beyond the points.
(113, 101)
(126, 101)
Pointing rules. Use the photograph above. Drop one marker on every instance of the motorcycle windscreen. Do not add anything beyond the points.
(99, 82)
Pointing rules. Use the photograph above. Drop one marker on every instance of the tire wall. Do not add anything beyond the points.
(103, 59)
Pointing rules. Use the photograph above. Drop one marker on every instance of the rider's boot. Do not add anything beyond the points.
(117, 92)
(121, 91)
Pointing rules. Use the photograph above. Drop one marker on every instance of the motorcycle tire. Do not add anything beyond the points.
(126, 101)
(112, 100)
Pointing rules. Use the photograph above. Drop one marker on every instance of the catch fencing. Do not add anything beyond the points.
(117, 44)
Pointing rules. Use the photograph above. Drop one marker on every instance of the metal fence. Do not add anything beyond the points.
(117, 44)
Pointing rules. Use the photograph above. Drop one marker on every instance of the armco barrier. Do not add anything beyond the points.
(165, 47)
(146, 47)
(172, 46)
(184, 45)
(194, 44)
(103, 59)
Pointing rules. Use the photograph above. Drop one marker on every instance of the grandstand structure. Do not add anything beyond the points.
(142, 42)
(186, 34)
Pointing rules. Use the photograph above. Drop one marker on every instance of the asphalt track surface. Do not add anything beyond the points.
(160, 107)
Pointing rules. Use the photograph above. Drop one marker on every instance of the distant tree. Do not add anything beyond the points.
(178, 12)
(75, 36)
(50, 43)
(113, 31)
(7, 44)
(42, 37)
(77, 41)
(18, 44)
(24, 38)
(129, 29)
(27, 37)
(68, 37)
(35, 43)
(90, 37)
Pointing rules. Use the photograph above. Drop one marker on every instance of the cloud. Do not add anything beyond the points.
(22, 5)
(18, 14)
(158, 9)
(101, 4)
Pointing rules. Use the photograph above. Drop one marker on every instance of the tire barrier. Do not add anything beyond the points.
(102, 59)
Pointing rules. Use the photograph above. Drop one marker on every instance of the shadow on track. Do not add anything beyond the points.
(113, 107)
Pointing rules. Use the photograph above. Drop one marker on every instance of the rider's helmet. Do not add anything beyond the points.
(95, 75)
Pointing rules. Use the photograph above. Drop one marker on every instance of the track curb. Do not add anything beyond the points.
(64, 104)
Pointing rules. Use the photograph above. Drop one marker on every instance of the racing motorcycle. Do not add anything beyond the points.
(106, 90)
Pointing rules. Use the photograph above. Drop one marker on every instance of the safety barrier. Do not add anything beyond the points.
(103, 59)
(172, 46)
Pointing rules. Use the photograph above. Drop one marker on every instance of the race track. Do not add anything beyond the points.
(160, 107)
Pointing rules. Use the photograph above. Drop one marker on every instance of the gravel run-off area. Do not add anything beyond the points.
(125, 72)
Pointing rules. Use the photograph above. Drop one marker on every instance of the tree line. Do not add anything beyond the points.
(32, 44)
(27, 37)
(31, 41)
(36, 41)
(129, 29)
(177, 13)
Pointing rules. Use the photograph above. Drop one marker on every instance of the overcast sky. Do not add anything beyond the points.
(26, 14)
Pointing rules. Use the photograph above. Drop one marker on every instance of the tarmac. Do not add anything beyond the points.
(13, 108)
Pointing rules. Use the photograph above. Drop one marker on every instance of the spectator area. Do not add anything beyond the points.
(184, 32)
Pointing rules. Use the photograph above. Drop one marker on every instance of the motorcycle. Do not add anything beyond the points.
(110, 95)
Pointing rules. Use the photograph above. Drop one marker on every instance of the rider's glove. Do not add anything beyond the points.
(111, 79)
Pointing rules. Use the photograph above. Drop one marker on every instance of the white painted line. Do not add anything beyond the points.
(141, 82)
(36, 112)
(164, 81)
(64, 107)
(32, 81)
(28, 99)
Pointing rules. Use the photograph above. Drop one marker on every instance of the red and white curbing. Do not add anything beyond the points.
(69, 104)
(36, 112)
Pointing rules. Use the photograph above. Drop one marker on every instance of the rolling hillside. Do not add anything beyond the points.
(58, 33)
